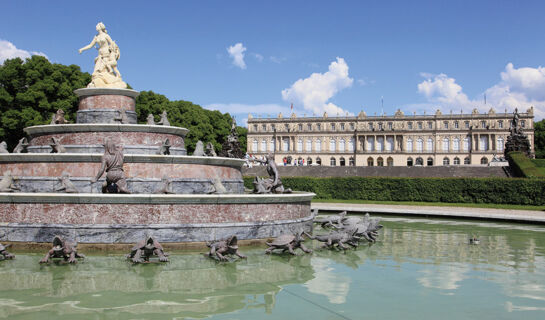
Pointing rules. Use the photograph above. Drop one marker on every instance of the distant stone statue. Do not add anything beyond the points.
(4, 147)
(112, 164)
(150, 120)
(105, 74)
(210, 152)
(199, 149)
(515, 123)
(166, 186)
(7, 184)
(65, 185)
(21, 147)
(122, 118)
(273, 184)
(58, 118)
(517, 140)
(231, 147)
(56, 146)
(164, 120)
(164, 149)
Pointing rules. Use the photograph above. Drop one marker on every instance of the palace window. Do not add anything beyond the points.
(429, 145)
(456, 125)
(263, 146)
(351, 145)
(308, 145)
(309, 161)
(420, 126)
(483, 124)
(419, 145)
(446, 161)
(456, 161)
(318, 126)
(467, 160)
(410, 125)
(380, 143)
(500, 124)
(456, 145)
(300, 127)
(419, 162)
(467, 144)
(254, 145)
(342, 162)
(255, 127)
(318, 147)
(273, 127)
(300, 145)
(390, 162)
(370, 162)
(409, 162)
(285, 144)
(445, 144)
(370, 125)
(342, 126)
(332, 145)
(410, 145)
(272, 145)
(445, 125)
(380, 162)
(484, 160)
(342, 145)
(370, 144)
(351, 161)
(390, 144)
(430, 125)
(390, 125)
(466, 124)
(332, 162)
(332, 127)
(264, 127)
(483, 143)
(522, 123)
(430, 161)
(380, 126)
(499, 144)
(352, 126)
(319, 161)
(287, 127)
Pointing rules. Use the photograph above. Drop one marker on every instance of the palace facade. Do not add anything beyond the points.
(398, 140)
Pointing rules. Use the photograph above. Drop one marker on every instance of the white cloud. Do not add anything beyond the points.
(237, 53)
(277, 59)
(257, 56)
(315, 91)
(9, 51)
(519, 88)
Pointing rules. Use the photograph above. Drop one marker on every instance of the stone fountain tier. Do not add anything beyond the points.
(102, 105)
(120, 218)
(89, 138)
(39, 172)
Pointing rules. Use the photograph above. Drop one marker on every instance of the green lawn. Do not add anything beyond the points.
(439, 204)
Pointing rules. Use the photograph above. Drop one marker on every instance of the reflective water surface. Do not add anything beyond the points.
(419, 269)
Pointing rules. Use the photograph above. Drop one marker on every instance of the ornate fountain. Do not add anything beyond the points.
(51, 187)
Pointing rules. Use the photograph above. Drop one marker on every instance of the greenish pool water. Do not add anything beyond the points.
(419, 269)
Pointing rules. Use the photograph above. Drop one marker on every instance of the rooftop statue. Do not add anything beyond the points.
(112, 163)
(105, 74)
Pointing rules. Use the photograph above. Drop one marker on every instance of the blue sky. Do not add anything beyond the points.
(334, 56)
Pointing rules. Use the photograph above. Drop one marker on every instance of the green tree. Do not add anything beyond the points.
(32, 90)
(539, 138)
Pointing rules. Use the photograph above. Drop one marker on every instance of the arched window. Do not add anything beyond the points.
(410, 146)
(467, 144)
(419, 162)
(380, 162)
(318, 147)
(445, 144)
(389, 144)
(484, 160)
(429, 145)
(370, 143)
(351, 144)
(409, 162)
(351, 162)
(342, 145)
(332, 145)
(419, 145)
(467, 160)
(456, 161)
(499, 144)
(309, 161)
(380, 143)
(254, 145)
(456, 144)
(308, 145)
(446, 161)
(430, 161)
(319, 161)
(272, 145)
(390, 162)
(263, 146)
(300, 145)
(332, 162)
(342, 162)
(370, 162)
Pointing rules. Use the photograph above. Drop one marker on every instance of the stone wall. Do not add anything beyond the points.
(415, 172)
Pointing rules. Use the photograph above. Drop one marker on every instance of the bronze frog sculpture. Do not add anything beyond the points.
(4, 253)
(146, 249)
(288, 242)
(62, 249)
(219, 249)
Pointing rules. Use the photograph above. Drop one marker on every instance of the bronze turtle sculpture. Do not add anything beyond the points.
(332, 221)
(288, 242)
(338, 239)
(145, 249)
(219, 249)
(62, 249)
(4, 253)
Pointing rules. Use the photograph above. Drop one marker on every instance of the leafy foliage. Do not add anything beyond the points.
(204, 125)
(539, 138)
(32, 90)
(452, 190)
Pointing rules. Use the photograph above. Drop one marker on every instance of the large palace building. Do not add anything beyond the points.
(398, 140)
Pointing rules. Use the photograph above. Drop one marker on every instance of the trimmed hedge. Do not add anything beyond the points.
(523, 166)
(453, 190)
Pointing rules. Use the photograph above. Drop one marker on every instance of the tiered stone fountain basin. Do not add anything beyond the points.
(38, 212)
